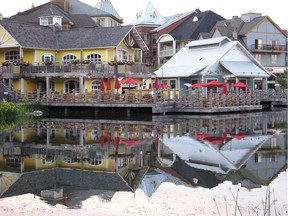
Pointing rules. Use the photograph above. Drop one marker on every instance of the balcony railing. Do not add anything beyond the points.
(268, 48)
(166, 52)
(91, 69)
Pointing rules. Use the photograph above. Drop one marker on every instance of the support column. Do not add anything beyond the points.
(48, 87)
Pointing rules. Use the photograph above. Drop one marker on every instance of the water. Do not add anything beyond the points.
(232, 164)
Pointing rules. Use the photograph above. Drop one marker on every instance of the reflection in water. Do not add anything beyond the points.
(66, 161)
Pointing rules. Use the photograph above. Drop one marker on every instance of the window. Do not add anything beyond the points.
(95, 85)
(71, 85)
(274, 59)
(46, 21)
(258, 158)
(94, 58)
(146, 53)
(67, 59)
(154, 52)
(274, 44)
(13, 162)
(52, 85)
(258, 57)
(123, 55)
(154, 39)
(47, 57)
(101, 22)
(258, 44)
(12, 56)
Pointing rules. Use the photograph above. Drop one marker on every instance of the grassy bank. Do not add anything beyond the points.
(12, 114)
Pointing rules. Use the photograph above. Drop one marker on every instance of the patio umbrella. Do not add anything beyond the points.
(129, 81)
(214, 140)
(224, 89)
(117, 141)
(130, 142)
(108, 87)
(239, 136)
(102, 140)
(240, 85)
(201, 135)
(197, 85)
(116, 84)
(156, 141)
(108, 136)
(102, 87)
(213, 84)
(164, 86)
(156, 83)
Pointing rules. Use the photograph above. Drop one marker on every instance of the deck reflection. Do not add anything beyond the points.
(53, 157)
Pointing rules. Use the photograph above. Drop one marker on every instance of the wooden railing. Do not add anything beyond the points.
(176, 97)
(91, 69)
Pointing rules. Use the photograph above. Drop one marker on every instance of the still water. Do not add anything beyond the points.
(232, 164)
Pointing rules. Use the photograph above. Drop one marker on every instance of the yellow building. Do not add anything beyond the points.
(59, 54)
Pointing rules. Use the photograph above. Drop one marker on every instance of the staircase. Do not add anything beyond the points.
(6, 93)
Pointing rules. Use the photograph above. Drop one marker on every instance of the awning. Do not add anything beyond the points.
(245, 69)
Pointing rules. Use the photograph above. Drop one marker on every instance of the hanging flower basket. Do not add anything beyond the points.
(76, 61)
(47, 63)
(149, 64)
(120, 62)
(86, 61)
(112, 63)
(25, 64)
(130, 63)
(6, 64)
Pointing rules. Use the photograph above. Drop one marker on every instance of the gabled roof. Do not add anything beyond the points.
(195, 24)
(32, 15)
(197, 57)
(105, 5)
(78, 7)
(35, 36)
(148, 15)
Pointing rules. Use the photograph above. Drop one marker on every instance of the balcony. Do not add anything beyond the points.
(91, 69)
(166, 53)
(268, 48)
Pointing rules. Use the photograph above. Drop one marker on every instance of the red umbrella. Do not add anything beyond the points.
(164, 86)
(129, 81)
(116, 84)
(130, 142)
(239, 136)
(108, 136)
(156, 141)
(197, 85)
(214, 140)
(240, 85)
(102, 87)
(117, 141)
(213, 84)
(108, 87)
(102, 140)
(224, 89)
(201, 136)
(156, 83)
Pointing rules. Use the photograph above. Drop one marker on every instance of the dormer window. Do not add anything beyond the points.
(50, 20)
(195, 19)
(153, 14)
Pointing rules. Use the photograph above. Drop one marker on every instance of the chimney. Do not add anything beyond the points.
(64, 4)
(235, 34)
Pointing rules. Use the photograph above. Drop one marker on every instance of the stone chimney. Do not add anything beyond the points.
(64, 4)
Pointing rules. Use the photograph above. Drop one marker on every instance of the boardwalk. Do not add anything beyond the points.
(162, 101)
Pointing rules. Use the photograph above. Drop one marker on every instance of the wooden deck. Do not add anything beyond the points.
(163, 101)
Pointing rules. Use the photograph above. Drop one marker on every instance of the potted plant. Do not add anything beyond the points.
(148, 64)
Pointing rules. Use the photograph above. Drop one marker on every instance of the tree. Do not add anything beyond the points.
(282, 79)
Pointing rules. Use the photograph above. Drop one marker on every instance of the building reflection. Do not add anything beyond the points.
(61, 159)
